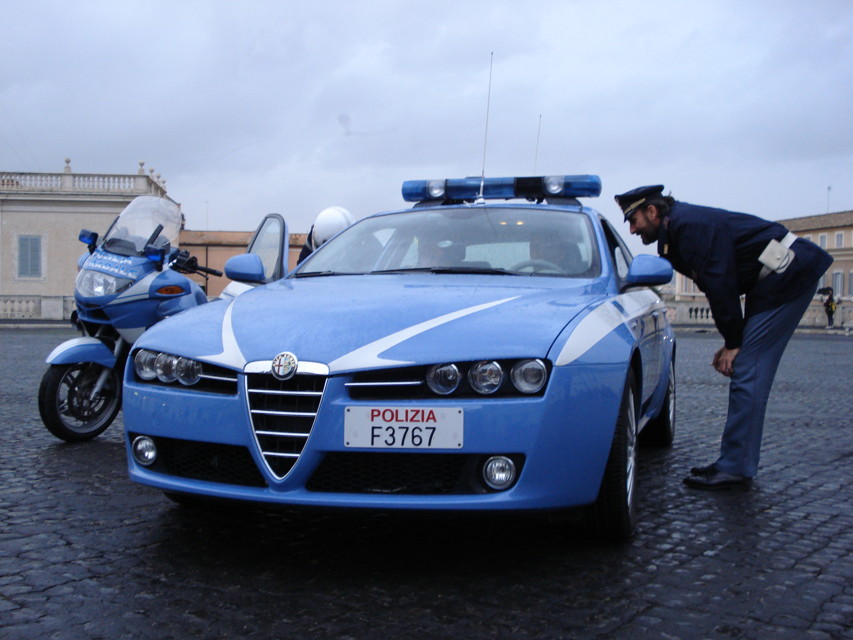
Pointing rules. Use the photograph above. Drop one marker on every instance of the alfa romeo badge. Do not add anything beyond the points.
(284, 365)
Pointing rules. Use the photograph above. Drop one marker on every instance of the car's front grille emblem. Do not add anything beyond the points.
(282, 414)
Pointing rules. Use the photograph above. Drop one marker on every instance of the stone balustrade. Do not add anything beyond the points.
(68, 182)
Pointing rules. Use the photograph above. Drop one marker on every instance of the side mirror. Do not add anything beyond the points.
(89, 238)
(246, 267)
(647, 271)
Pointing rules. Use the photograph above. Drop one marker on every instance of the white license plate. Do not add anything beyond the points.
(403, 427)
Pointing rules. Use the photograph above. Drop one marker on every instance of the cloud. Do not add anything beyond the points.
(266, 106)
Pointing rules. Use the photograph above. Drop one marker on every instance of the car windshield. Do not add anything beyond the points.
(137, 223)
(499, 240)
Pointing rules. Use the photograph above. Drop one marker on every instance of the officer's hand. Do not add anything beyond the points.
(724, 361)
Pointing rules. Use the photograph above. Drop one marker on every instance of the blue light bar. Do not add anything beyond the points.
(534, 188)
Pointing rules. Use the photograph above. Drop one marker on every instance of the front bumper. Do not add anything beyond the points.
(559, 442)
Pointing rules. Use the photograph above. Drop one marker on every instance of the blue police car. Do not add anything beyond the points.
(494, 347)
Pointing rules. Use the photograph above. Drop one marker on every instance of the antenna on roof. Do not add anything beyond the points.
(486, 135)
(536, 155)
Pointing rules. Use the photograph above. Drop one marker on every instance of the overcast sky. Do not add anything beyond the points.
(250, 107)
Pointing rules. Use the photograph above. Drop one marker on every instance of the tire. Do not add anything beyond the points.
(65, 406)
(660, 432)
(614, 514)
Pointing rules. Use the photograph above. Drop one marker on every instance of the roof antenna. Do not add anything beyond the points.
(486, 135)
(536, 155)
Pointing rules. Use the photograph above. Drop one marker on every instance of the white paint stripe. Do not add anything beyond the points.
(604, 319)
(368, 355)
(231, 354)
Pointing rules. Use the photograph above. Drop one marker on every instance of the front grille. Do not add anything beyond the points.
(395, 473)
(282, 414)
(390, 384)
(225, 463)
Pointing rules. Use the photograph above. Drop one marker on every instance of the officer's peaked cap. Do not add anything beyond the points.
(630, 200)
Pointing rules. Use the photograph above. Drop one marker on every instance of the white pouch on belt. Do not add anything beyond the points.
(777, 256)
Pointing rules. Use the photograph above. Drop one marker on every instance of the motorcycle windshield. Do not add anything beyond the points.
(136, 225)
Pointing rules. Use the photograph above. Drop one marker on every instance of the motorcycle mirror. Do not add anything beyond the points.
(89, 238)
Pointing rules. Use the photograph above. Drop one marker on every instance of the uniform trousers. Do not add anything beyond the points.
(765, 337)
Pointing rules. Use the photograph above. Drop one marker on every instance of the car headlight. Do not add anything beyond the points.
(529, 376)
(188, 371)
(92, 284)
(166, 368)
(143, 364)
(486, 377)
(443, 379)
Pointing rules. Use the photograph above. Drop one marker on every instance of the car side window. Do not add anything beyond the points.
(620, 254)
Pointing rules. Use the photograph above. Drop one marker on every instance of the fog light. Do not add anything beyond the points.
(144, 451)
(499, 472)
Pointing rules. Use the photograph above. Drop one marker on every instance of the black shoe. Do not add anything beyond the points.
(703, 471)
(715, 480)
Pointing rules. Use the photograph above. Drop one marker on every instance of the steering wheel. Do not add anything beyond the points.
(536, 265)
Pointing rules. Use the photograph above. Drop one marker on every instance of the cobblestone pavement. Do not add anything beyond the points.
(84, 553)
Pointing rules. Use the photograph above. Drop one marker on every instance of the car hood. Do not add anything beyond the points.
(367, 322)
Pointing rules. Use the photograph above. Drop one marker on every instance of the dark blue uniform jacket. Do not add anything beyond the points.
(719, 250)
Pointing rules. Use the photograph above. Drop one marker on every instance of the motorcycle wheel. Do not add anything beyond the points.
(65, 405)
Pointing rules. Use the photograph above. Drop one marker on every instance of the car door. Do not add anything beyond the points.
(648, 323)
(270, 243)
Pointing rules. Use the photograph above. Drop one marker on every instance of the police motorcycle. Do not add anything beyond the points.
(128, 282)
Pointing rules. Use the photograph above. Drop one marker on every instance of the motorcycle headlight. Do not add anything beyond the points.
(92, 284)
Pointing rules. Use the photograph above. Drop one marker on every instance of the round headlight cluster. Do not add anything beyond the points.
(488, 377)
(443, 379)
(166, 368)
(529, 376)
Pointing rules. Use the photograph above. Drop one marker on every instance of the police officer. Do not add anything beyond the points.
(728, 255)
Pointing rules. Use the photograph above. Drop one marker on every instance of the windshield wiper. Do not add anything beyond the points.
(461, 269)
(316, 274)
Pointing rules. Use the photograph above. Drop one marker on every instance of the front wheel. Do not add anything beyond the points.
(614, 514)
(67, 405)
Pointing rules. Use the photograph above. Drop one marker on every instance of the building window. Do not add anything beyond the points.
(839, 240)
(29, 257)
(822, 241)
(850, 284)
(837, 282)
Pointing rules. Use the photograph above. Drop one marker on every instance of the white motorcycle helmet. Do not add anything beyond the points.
(330, 221)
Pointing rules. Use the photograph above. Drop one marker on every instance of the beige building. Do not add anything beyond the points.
(41, 215)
